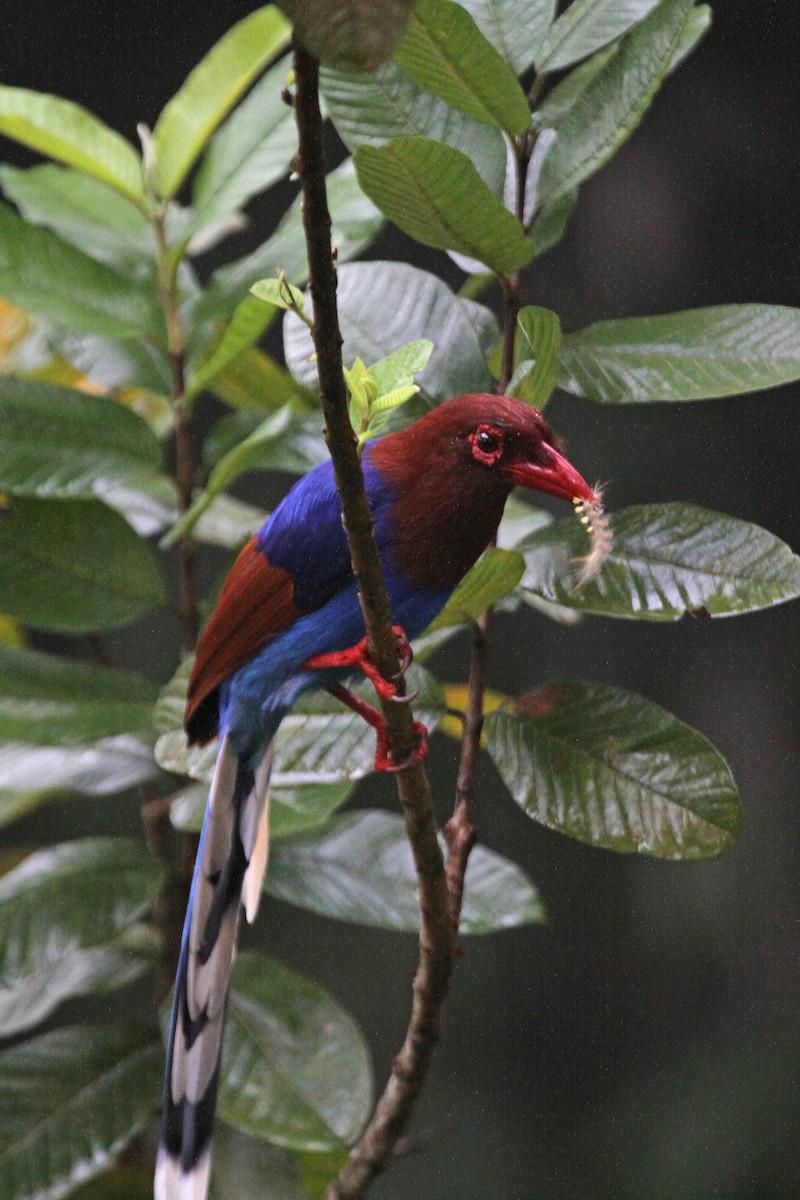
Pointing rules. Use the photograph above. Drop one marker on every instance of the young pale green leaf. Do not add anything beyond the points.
(495, 574)
(70, 1102)
(64, 444)
(381, 306)
(400, 369)
(210, 92)
(50, 701)
(356, 221)
(228, 469)
(434, 193)
(697, 26)
(250, 151)
(445, 52)
(82, 211)
(250, 320)
(355, 35)
(279, 292)
(607, 111)
(542, 331)
(516, 27)
(68, 133)
(359, 867)
(74, 566)
(608, 767)
(49, 277)
(373, 109)
(296, 1069)
(588, 25)
(666, 560)
(62, 912)
(693, 355)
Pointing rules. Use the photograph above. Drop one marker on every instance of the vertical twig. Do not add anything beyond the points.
(374, 1149)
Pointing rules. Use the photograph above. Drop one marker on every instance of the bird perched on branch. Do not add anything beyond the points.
(288, 619)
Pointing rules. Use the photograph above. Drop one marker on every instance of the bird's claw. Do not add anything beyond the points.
(385, 762)
(358, 658)
(406, 698)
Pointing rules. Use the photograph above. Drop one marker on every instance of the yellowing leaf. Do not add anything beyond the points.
(457, 697)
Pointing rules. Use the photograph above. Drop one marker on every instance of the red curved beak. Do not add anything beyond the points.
(556, 476)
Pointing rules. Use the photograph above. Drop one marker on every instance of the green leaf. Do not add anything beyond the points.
(228, 469)
(210, 92)
(399, 369)
(542, 330)
(445, 52)
(292, 810)
(68, 133)
(495, 574)
(373, 109)
(51, 701)
(74, 566)
(318, 1170)
(33, 775)
(516, 27)
(666, 560)
(382, 305)
(588, 25)
(359, 867)
(70, 1102)
(47, 276)
(250, 1168)
(228, 522)
(64, 444)
(608, 110)
(550, 225)
(251, 319)
(300, 448)
(610, 768)
(356, 221)
(434, 193)
(279, 292)
(693, 355)
(250, 151)
(296, 1069)
(352, 34)
(62, 912)
(255, 383)
(82, 211)
(697, 26)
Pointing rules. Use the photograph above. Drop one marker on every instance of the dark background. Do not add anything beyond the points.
(644, 1044)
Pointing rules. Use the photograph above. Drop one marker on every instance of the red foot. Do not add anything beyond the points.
(374, 717)
(358, 657)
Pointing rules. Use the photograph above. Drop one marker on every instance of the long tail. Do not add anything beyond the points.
(228, 873)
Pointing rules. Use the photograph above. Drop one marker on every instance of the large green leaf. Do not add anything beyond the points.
(697, 26)
(49, 277)
(610, 768)
(52, 701)
(82, 211)
(608, 110)
(516, 27)
(434, 193)
(59, 443)
(67, 132)
(62, 916)
(354, 34)
(74, 566)
(70, 1102)
(693, 355)
(542, 331)
(359, 867)
(210, 92)
(249, 321)
(292, 810)
(249, 1167)
(384, 305)
(666, 560)
(251, 150)
(445, 52)
(494, 575)
(295, 1070)
(356, 221)
(372, 109)
(588, 25)
(31, 775)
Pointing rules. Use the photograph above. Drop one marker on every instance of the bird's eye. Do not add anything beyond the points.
(487, 444)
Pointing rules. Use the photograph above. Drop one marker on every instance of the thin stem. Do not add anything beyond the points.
(375, 1148)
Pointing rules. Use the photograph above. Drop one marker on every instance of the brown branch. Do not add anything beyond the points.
(392, 1113)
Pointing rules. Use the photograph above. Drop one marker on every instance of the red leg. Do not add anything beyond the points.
(358, 657)
(374, 717)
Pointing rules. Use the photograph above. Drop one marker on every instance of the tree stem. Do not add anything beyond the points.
(375, 1148)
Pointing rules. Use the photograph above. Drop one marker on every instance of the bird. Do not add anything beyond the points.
(288, 620)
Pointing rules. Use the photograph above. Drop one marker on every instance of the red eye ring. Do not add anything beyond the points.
(487, 444)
